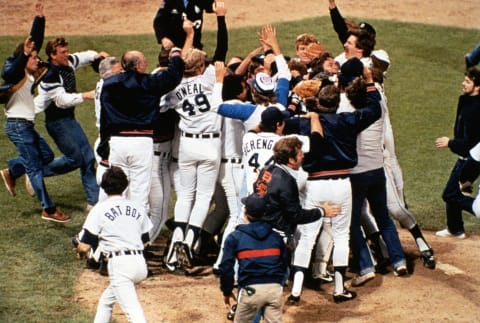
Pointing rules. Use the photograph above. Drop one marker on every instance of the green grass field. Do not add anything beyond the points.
(38, 267)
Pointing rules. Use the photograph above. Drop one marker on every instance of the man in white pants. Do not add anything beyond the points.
(129, 106)
(195, 100)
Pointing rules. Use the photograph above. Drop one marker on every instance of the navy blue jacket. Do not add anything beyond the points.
(283, 208)
(337, 149)
(130, 100)
(466, 131)
(261, 253)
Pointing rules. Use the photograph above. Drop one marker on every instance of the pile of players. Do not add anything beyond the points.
(212, 131)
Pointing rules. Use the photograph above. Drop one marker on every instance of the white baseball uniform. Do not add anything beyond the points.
(257, 153)
(119, 225)
(196, 100)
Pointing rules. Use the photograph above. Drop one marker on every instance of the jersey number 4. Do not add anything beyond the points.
(253, 162)
(200, 101)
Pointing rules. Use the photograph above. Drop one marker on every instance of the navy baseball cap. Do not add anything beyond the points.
(350, 70)
(272, 115)
(368, 28)
(255, 205)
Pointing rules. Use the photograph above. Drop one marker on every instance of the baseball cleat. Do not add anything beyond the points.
(176, 269)
(446, 233)
(428, 259)
(362, 279)
(184, 255)
(400, 271)
(345, 296)
(326, 277)
(293, 300)
(8, 181)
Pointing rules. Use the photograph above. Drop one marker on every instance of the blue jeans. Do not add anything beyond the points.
(455, 201)
(34, 156)
(371, 185)
(73, 143)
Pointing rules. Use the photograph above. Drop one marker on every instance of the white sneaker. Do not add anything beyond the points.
(360, 280)
(446, 233)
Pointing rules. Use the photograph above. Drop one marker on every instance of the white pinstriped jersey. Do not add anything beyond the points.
(196, 101)
(257, 153)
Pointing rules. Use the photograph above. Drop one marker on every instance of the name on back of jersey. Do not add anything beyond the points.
(188, 90)
(125, 210)
(258, 144)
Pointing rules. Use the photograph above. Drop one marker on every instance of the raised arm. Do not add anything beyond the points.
(38, 26)
(222, 33)
(338, 21)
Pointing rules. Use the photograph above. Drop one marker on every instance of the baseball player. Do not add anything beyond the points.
(129, 103)
(258, 146)
(196, 100)
(332, 153)
(199, 148)
(108, 66)
(231, 169)
(120, 228)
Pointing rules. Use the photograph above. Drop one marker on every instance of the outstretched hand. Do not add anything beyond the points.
(442, 142)
(268, 37)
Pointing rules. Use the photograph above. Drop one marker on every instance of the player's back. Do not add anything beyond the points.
(257, 153)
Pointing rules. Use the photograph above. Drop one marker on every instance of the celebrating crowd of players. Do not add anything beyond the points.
(218, 132)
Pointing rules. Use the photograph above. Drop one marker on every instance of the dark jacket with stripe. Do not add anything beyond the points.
(261, 253)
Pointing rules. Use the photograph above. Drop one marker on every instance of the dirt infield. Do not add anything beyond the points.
(451, 292)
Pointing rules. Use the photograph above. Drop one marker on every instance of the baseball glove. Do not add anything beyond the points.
(83, 250)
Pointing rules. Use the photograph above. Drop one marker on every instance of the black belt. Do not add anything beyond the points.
(18, 120)
(237, 160)
(201, 135)
(125, 253)
(162, 154)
